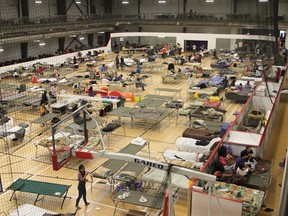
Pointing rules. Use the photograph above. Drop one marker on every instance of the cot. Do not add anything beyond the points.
(208, 113)
(205, 91)
(174, 91)
(159, 97)
(150, 102)
(157, 176)
(227, 71)
(154, 201)
(170, 155)
(8, 97)
(200, 134)
(240, 97)
(189, 145)
(215, 81)
(30, 210)
(252, 199)
(112, 166)
(40, 188)
(45, 119)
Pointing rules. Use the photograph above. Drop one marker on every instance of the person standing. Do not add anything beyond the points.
(122, 62)
(82, 175)
(44, 98)
(277, 76)
(191, 82)
(53, 91)
(117, 61)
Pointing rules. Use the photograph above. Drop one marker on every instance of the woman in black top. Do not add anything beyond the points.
(44, 98)
(81, 186)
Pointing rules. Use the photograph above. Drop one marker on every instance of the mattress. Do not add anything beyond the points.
(169, 154)
(189, 145)
(158, 176)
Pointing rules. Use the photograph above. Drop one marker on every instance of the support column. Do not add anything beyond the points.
(19, 8)
(61, 9)
(184, 6)
(107, 6)
(90, 40)
(24, 7)
(106, 38)
(234, 2)
(233, 41)
(92, 6)
(61, 43)
(139, 9)
(24, 50)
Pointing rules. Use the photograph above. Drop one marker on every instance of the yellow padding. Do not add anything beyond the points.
(138, 97)
(213, 98)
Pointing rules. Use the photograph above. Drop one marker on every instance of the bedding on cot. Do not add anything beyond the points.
(252, 199)
(157, 176)
(189, 145)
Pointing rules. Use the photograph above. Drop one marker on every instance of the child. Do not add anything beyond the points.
(242, 170)
(43, 110)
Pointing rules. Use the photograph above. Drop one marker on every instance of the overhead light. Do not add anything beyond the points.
(263, 1)
(73, 36)
(81, 38)
(78, 2)
(209, 1)
(42, 44)
(38, 2)
(162, 1)
(101, 32)
(36, 41)
(125, 2)
(161, 36)
(1, 49)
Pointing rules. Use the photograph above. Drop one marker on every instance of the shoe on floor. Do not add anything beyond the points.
(269, 210)
(78, 208)
(87, 204)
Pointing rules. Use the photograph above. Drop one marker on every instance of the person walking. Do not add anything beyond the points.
(82, 175)
(191, 82)
(117, 61)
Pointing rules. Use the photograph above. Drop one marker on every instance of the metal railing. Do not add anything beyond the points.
(251, 18)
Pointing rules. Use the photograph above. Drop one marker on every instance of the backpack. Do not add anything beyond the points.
(55, 120)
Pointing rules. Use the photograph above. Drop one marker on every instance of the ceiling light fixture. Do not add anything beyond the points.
(210, 1)
(261, 1)
(162, 1)
(81, 38)
(1, 49)
(42, 44)
(125, 2)
(78, 2)
(38, 2)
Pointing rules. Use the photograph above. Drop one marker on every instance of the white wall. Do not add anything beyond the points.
(54, 59)
(50, 48)
(211, 38)
(8, 9)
